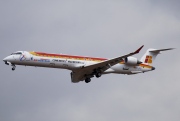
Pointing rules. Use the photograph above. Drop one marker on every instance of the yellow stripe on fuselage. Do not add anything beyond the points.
(40, 54)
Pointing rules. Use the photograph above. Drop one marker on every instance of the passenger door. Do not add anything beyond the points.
(27, 56)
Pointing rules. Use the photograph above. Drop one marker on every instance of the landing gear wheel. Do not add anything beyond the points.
(98, 75)
(87, 80)
(13, 67)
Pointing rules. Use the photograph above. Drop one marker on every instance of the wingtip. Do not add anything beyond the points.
(138, 50)
(172, 48)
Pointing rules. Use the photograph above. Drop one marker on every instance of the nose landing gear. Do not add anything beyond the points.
(13, 67)
(6, 63)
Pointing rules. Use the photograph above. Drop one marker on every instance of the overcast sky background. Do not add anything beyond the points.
(103, 28)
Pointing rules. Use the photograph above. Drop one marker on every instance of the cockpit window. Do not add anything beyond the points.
(17, 53)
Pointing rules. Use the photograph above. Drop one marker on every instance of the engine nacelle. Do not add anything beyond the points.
(132, 61)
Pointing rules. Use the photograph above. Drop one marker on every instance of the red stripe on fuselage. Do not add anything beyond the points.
(69, 56)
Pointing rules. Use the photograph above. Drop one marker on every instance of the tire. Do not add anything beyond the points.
(98, 75)
(87, 80)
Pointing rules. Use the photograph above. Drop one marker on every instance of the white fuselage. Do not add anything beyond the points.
(84, 68)
(69, 62)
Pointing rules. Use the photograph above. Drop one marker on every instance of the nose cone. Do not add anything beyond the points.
(9, 58)
(5, 59)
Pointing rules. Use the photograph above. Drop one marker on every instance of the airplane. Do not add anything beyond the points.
(84, 68)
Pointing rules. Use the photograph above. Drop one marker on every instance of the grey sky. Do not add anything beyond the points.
(93, 28)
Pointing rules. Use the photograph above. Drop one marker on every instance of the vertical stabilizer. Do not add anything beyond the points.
(150, 55)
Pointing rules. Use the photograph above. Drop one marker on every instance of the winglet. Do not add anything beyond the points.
(138, 50)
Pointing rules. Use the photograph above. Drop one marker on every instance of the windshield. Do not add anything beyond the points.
(17, 53)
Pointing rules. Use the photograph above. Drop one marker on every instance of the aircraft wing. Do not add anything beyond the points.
(87, 71)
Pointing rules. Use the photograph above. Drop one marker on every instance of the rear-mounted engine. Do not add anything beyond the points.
(132, 61)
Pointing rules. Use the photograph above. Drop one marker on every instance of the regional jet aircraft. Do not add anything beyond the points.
(84, 68)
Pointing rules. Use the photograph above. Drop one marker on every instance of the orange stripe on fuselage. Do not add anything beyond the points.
(145, 66)
(41, 54)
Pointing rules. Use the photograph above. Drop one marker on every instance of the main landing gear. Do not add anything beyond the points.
(13, 67)
(96, 72)
(87, 80)
(98, 75)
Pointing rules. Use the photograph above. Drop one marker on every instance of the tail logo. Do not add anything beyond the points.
(148, 59)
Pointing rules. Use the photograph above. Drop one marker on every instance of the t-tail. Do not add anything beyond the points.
(150, 55)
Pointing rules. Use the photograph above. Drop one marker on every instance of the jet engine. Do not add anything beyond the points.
(132, 61)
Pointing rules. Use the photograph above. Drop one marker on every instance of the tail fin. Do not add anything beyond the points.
(150, 55)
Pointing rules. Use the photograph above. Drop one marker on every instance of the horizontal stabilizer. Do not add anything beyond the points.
(157, 51)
